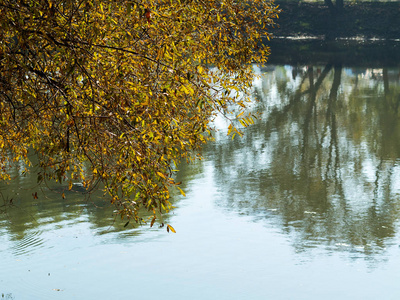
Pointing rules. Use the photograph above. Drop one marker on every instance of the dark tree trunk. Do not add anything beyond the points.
(335, 8)
(339, 5)
(330, 5)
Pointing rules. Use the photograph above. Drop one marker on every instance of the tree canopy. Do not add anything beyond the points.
(118, 92)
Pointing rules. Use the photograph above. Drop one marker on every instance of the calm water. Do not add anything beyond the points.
(305, 206)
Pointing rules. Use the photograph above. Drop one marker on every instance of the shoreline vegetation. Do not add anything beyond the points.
(351, 53)
(363, 34)
(361, 20)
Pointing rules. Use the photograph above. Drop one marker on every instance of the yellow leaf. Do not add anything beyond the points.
(169, 227)
(161, 175)
(182, 192)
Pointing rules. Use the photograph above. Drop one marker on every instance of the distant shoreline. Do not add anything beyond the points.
(346, 52)
(362, 20)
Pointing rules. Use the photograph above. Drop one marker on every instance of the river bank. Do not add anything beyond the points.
(367, 20)
(351, 53)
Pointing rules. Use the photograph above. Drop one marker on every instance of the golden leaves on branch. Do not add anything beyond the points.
(119, 92)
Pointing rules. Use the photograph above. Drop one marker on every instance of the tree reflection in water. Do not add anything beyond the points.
(322, 163)
(323, 158)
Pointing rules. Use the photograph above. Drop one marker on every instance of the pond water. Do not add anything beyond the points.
(305, 206)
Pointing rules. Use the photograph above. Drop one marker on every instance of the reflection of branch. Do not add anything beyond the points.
(303, 182)
(297, 95)
(296, 98)
(313, 93)
(377, 177)
(390, 101)
(307, 119)
(331, 120)
(321, 77)
(385, 81)
(336, 82)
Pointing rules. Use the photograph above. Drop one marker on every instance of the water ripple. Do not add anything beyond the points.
(29, 243)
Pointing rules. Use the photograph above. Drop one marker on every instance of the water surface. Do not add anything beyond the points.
(305, 206)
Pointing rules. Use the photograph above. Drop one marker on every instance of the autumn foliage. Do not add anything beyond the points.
(118, 92)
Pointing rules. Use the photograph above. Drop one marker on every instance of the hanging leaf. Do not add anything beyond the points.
(169, 227)
(152, 221)
(182, 192)
(161, 175)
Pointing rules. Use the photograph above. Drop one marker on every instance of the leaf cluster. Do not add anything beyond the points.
(119, 92)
